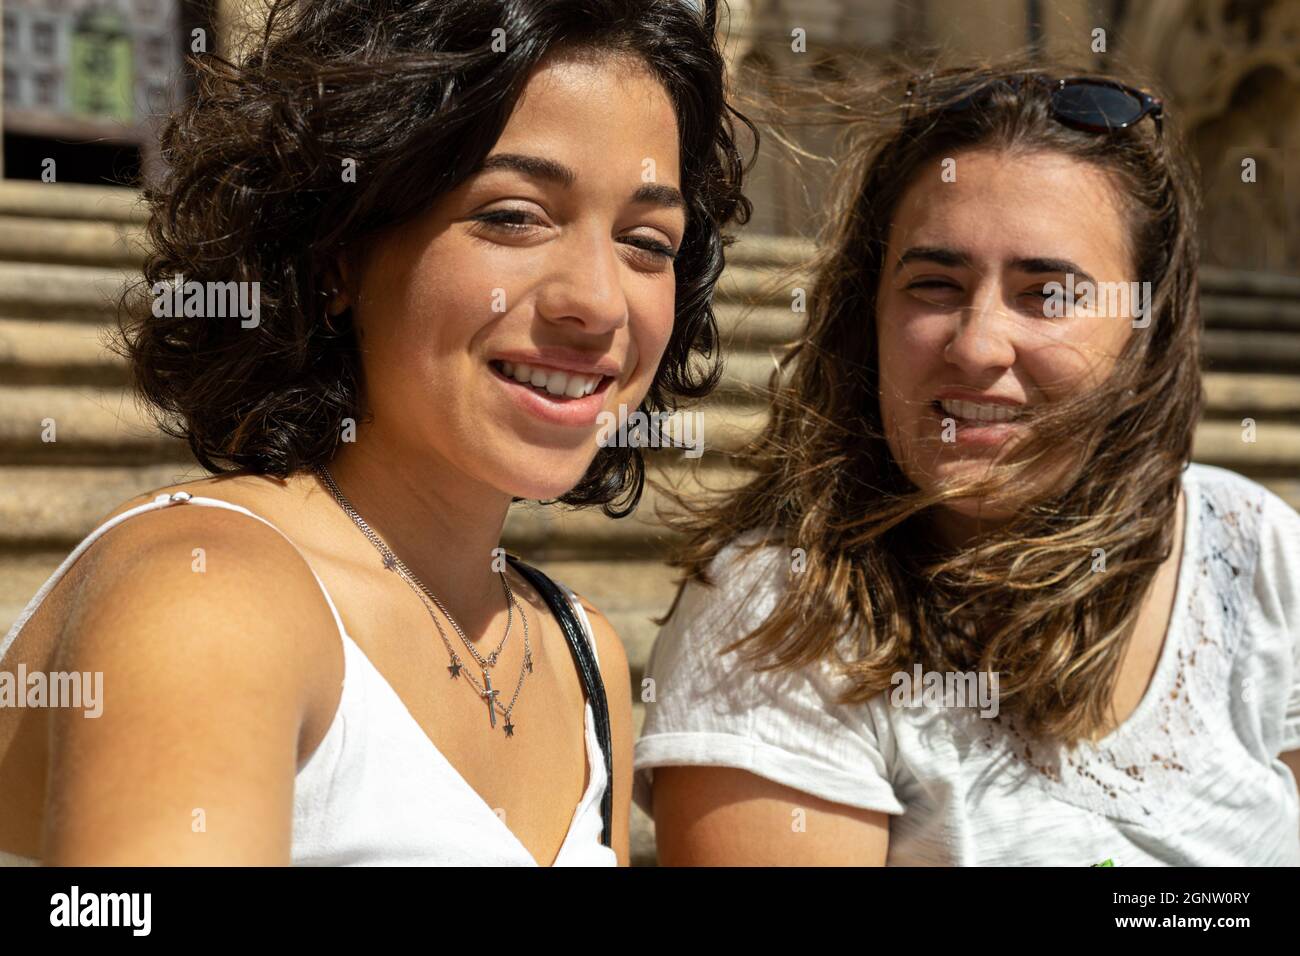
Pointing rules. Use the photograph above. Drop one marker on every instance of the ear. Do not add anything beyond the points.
(338, 283)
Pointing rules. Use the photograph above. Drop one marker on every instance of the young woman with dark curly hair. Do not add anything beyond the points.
(473, 226)
(974, 606)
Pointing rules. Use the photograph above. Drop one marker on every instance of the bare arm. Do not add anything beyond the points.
(1292, 759)
(206, 678)
(719, 816)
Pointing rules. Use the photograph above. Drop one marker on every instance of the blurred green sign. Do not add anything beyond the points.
(101, 74)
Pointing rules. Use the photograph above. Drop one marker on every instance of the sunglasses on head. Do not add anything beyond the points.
(1096, 106)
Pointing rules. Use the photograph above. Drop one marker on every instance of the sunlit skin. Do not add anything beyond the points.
(960, 310)
(518, 260)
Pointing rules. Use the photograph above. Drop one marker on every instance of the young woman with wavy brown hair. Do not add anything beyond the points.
(472, 226)
(972, 605)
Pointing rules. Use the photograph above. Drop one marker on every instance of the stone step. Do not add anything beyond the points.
(35, 352)
(88, 424)
(1251, 393)
(1240, 282)
(81, 293)
(43, 507)
(21, 575)
(87, 242)
(1273, 447)
(71, 201)
(765, 249)
(1251, 350)
(1242, 312)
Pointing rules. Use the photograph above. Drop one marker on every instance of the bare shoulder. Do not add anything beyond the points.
(206, 626)
(190, 554)
(609, 648)
(618, 692)
(225, 580)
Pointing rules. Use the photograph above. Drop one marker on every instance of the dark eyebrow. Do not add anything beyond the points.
(1052, 265)
(541, 168)
(660, 195)
(536, 166)
(939, 256)
(959, 260)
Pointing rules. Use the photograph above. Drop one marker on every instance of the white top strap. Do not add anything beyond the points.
(162, 501)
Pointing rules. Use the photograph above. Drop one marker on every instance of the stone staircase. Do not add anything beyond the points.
(65, 250)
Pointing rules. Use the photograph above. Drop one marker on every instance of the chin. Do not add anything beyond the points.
(952, 474)
(534, 483)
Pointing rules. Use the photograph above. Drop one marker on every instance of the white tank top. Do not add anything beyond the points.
(376, 791)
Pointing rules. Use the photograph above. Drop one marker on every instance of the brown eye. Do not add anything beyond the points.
(509, 219)
(661, 249)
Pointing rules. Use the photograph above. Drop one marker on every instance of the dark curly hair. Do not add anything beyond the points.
(417, 92)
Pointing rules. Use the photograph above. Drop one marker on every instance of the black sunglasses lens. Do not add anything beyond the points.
(1096, 106)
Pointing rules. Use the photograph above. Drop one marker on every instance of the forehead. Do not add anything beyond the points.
(601, 107)
(1010, 204)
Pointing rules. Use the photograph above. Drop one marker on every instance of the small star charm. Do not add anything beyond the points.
(389, 563)
(528, 662)
(510, 728)
(455, 669)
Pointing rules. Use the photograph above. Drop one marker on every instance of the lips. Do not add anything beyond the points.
(982, 412)
(568, 398)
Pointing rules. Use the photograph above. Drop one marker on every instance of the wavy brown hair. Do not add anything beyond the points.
(416, 92)
(1021, 601)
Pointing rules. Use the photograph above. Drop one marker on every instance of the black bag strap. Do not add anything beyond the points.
(585, 659)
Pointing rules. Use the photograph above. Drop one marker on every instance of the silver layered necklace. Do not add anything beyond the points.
(393, 563)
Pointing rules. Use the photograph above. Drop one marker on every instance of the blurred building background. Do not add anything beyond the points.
(85, 81)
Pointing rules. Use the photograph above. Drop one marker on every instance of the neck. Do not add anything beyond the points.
(957, 530)
(441, 523)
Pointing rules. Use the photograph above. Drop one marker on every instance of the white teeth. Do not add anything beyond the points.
(974, 411)
(566, 384)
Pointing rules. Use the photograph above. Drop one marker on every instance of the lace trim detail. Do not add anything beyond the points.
(1135, 773)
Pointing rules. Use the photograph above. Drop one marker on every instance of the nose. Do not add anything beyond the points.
(982, 336)
(585, 286)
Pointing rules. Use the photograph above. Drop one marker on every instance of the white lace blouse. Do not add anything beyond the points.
(1192, 777)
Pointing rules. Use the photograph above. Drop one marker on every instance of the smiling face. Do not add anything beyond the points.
(496, 327)
(963, 338)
